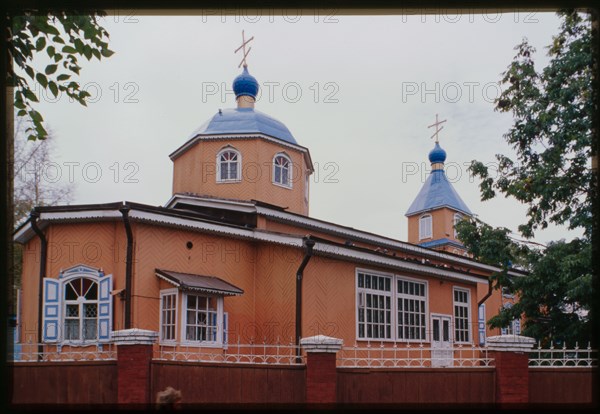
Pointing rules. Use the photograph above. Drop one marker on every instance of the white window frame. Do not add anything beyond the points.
(81, 318)
(361, 302)
(457, 218)
(163, 293)
(290, 170)
(423, 234)
(408, 296)
(454, 317)
(218, 343)
(238, 178)
(394, 296)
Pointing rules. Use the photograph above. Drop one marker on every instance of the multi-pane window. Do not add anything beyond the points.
(282, 170)
(457, 218)
(461, 315)
(425, 226)
(201, 318)
(228, 163)
(81, 310)
(168, 315)
(412, 316)
(374, 306)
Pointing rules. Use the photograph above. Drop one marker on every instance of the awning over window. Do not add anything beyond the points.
(208, 284)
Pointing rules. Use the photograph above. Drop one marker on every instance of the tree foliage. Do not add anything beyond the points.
(551, 133)
(37, 183)
(63, 37)
(551, 136)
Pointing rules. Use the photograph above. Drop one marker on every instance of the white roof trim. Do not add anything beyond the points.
(396, 263)
(208, 202)
(89, 214)
(259, 235)
(374, 238)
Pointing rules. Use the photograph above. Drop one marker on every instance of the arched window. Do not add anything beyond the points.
(77, 306)
(457, 218)
(81, 310)
(229, 164)
(425, 226)
(282, 170)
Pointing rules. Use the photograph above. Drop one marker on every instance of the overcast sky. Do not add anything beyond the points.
(359, 92)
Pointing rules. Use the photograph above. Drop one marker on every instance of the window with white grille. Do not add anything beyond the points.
(228, 165)
(412, 313)
(461, 315)
(425, 224)
(374, 306)
(168, 315)
(282, 170)
(201, 316)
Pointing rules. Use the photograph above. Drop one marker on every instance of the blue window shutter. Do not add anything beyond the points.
(51, 315)
(104, 308)
(225, 320)
(481, 323)
(214, 323)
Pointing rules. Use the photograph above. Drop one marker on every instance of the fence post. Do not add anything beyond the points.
(134, 354)
(321, 375)
(511, 358)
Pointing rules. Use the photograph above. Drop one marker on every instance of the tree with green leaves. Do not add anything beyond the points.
(63, 37)
(551, 136)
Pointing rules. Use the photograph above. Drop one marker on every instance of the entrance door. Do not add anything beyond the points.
(441, 342)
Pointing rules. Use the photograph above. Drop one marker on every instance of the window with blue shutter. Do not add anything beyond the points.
(51, 310)
(481, 322)
(105, 308)
(225, 325)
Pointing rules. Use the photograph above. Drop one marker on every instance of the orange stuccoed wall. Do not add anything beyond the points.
(195, 171)
(265, 271)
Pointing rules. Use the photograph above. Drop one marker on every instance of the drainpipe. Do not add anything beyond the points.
(128, 264)
(309, 244)
(34, 216)
(483, 299)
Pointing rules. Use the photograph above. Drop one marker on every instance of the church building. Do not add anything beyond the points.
(234, 256)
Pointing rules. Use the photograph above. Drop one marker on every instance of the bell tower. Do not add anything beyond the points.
(437, 207)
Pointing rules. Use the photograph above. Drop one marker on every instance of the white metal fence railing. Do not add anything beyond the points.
(563, 357)
(46, 352)
(278, 354)
(411, 356)
(371, 355)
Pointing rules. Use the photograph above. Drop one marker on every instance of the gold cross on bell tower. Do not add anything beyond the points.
(245, 52)
(437, 124)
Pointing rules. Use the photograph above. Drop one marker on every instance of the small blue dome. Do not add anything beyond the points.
(437, 154)
(245, 84)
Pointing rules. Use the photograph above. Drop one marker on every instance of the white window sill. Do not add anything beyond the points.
(229, 181)
(289, 187)
(201, 344)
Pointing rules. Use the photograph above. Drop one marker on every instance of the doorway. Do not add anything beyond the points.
(441, 341)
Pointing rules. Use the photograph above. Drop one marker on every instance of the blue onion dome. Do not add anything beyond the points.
(245, 84)
(437, 154)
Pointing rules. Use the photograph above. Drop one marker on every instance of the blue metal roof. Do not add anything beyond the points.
(437, 192)
(245, 121)
(441, 242)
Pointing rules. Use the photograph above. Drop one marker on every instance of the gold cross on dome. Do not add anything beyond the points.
(437, 124)
(244, 51)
